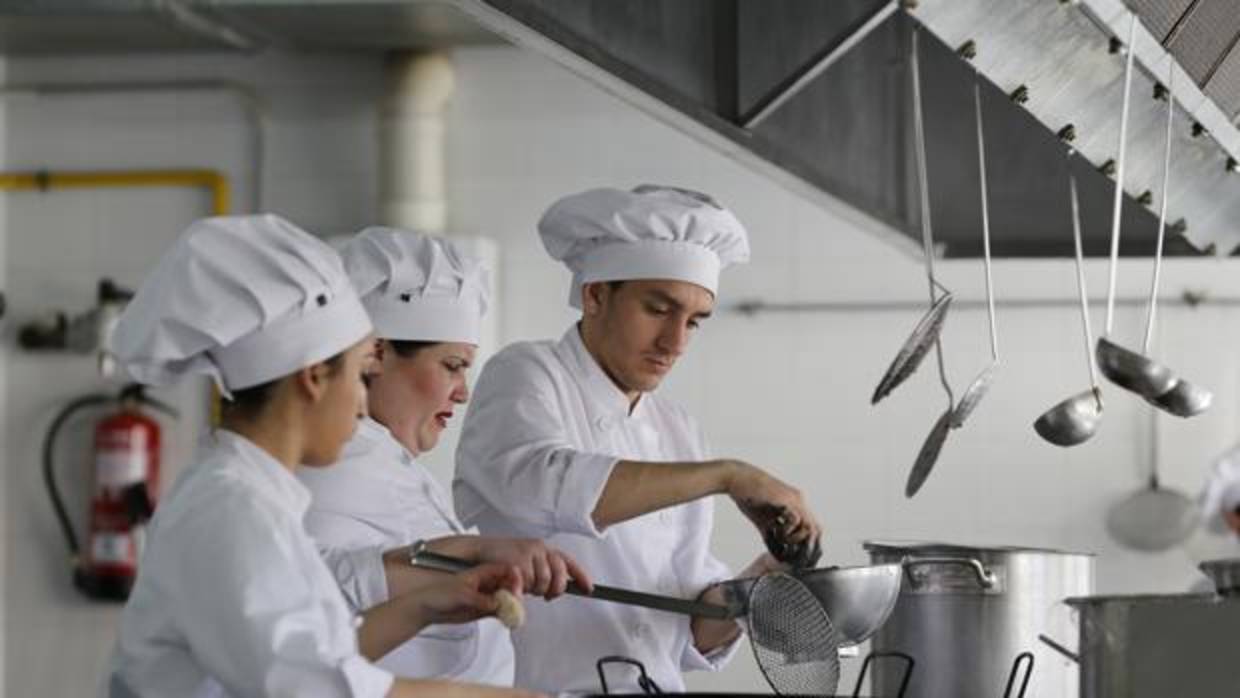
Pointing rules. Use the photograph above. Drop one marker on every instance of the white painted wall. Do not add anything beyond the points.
(789, 392)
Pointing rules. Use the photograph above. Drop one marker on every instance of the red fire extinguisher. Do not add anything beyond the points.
(124, 483)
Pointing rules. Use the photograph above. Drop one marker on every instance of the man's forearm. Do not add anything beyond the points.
(708, 634)
(636, 488)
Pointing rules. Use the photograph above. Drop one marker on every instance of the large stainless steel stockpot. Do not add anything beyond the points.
(966, 613)
(1158, 645)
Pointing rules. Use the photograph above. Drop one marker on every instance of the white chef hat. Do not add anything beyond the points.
(417, 287)
(651, 232)
(242, 299)
(1222, 490)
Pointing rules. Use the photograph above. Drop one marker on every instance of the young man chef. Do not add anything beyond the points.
(568, 440)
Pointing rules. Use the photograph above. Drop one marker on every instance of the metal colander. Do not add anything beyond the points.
(793, 640)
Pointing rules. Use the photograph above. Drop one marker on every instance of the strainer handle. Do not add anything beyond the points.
(985, 578)
(671, 604)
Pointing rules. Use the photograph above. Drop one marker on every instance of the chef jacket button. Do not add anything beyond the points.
(603, 423)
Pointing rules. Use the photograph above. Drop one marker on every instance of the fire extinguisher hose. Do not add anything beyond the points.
(49, 475)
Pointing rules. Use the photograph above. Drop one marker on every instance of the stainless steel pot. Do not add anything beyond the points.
(1155, 646)
(1224, 573)
(966, 613)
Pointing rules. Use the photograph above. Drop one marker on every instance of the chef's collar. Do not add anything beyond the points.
(606, 398)
(278, 480)
(372, 434)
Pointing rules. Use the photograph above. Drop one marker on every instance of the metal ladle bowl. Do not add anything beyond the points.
(1153, 519)
(1183, 400)
(1132, 371)
(1072, 421)
(1075, 420)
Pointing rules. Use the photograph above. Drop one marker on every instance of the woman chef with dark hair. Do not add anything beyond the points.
(233, 598)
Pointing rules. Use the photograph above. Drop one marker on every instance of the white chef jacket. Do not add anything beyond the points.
(232, 597)
(377, 495)
(543, 431)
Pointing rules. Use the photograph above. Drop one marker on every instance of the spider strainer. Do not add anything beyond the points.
(793, 640)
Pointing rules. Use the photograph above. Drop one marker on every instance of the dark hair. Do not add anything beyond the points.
(248, 402)
(408, 348)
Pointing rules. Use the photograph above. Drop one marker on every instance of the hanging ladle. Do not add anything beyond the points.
(1153, 518)
(1122, 366)
(981, 385)
(1076, 419)
(933, 444)
(1184, 399)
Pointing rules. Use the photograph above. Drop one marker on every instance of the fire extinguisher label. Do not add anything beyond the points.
(120, 468)
(111, 548)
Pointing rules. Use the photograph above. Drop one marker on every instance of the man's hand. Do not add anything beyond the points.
(778, 510)
(467, 596)
(544, 570)
(761, 565)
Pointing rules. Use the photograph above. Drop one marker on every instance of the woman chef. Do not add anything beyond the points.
(426, 298)
(233, 598)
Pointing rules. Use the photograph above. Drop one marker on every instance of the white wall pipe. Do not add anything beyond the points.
(412, 169)
(413, 186)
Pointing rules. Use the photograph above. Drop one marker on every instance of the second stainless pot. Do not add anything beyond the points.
(965, 614)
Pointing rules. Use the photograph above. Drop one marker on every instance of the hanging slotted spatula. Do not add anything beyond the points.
(915, 348)
(981, 385)
(933, 445)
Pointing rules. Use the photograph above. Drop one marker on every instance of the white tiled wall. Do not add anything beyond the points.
(319, 150)
(790, 392)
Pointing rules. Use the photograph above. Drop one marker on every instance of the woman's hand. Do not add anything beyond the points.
(544, 570)
(467, 596)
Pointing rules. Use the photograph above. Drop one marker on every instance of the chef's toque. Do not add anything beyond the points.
(417, 287)
(242, 299)
(650, 232)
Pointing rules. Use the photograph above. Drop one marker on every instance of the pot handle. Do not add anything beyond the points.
(985, 578)
(1060, 648)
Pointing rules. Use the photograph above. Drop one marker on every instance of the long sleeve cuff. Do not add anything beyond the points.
(580, 489)
(360, 575)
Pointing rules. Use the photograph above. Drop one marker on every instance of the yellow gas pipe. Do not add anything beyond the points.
(211, 180)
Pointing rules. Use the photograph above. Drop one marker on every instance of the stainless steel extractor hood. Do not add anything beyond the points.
(747, 77)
